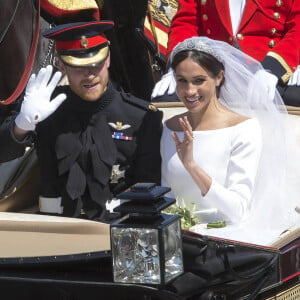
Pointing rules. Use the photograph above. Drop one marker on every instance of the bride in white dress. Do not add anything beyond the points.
(226, 158)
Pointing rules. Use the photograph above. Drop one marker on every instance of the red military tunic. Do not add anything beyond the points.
(269, 30)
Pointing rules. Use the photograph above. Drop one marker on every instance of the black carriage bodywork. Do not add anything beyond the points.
(214, 269)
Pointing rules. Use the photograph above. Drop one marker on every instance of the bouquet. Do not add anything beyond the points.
(188, 219)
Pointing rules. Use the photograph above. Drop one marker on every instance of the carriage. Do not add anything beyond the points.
(47, 257)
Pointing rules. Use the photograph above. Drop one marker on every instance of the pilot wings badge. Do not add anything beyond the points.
(119, 125)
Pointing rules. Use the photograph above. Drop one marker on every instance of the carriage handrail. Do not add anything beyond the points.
(292, 110)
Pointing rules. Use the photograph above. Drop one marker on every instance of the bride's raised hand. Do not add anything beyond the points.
(185, 147)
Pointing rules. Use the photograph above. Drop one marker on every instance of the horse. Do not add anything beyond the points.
(18, 22)
(23, 51)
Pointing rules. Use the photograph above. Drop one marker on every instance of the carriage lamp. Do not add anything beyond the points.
(146, 245)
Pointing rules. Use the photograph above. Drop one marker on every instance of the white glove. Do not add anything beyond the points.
(295, 78)
(167, 84)
(263, 80)
(37, 105)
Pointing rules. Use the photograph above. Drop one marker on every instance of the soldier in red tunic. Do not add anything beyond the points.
(267, 30)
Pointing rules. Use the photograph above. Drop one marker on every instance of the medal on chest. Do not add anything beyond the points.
(118, 134)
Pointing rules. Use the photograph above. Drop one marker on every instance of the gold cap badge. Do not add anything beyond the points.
(84, 41)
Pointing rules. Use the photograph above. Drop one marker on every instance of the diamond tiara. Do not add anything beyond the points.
(194, 43)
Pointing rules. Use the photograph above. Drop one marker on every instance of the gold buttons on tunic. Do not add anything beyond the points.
(203, 2)
(204, 17)
(278, 3)
(272, 44)
(273, 30)
(230, 39)
(276, 15)
(239, 36)
(208, 31)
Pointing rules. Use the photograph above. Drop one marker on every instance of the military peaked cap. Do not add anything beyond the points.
(81, 44)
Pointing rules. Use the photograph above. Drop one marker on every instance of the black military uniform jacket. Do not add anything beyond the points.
(90, 151)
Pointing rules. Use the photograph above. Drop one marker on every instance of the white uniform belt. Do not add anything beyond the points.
(50, 205)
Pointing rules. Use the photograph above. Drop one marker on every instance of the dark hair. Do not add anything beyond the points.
(203, 59)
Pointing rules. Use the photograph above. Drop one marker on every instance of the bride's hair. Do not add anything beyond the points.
(205, 60)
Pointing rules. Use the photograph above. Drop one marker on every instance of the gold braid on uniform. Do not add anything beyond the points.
(160, 13)
(286, 76)
(74, 4)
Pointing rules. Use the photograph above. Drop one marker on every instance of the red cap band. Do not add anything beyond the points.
(83, 43)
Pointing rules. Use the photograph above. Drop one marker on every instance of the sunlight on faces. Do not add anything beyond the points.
(89, 83)
(196, 87)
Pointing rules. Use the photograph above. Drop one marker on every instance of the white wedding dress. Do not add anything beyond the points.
(231, 157)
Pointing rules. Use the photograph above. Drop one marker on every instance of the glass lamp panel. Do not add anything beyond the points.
(135, 255)
(173, 250)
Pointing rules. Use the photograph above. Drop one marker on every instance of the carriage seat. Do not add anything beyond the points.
(32, 235)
